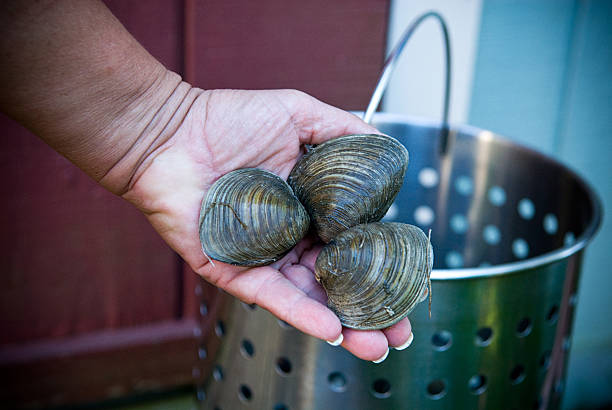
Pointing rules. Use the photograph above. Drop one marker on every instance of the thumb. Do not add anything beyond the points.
(316, 122)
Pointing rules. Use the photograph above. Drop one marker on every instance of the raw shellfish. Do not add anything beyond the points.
(250, 217)
(375, 274)
(349, 180)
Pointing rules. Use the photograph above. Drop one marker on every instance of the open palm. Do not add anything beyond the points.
(226, 130)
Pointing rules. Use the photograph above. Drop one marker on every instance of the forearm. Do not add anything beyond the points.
(72, 74)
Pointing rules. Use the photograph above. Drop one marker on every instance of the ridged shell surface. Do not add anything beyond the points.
(375, 274)
(250, 217)
(349, 180)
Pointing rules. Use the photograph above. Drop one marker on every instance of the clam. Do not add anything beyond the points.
(375, 274)
(250, 217)
(349, 180)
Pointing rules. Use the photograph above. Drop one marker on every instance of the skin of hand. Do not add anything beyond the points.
(230, 129)
(71, 73)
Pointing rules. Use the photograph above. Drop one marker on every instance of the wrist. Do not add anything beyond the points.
(146, 128)
(83, 84)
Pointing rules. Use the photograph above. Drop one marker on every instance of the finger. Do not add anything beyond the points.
(366, 344)
(294, 255)
(303, 278)
(309, 257)
(400, 334)
(269, 289)
(317, 122)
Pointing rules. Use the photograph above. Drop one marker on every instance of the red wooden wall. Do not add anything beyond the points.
(93, 304)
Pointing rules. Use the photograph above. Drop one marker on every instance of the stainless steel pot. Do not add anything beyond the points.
(509, 229)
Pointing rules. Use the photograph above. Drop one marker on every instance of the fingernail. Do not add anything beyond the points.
(382, 359)
(338, 341)
(408, 342)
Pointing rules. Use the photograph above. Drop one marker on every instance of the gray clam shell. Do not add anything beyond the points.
(250, 217)
(349, 180)
(375, 274)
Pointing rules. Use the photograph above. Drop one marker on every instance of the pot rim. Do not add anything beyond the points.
(532, 263)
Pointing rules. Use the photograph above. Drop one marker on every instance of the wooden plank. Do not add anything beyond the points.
(98, 366)
(73, 257)
(520, 69)
(157, 25)
(332, 50)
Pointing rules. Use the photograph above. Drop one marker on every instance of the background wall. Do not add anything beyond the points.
(417, 88)
(538, 72)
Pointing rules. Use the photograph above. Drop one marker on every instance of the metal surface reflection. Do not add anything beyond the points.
(501, 321)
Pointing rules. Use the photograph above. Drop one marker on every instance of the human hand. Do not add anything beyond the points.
(84, 85)
(224, 130)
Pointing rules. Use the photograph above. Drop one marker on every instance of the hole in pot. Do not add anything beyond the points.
(484, 336)
(218, 373)
(550, 223)
(280, 406)
(526, 208)
(553, 314)
(436, 389)
(497, 196)
(428, 177)
(249, 306)
(200, 393)
(573, 299)
(203, 309)
(520, 248)
(477, 384)
(247, 349)
(202, 353)
(424, 215)
(283, 366)
(220, 328)
(464, 185)
(566, 343)
(337, 382)
(381, 388)
(245, 393)
(454, 259)
(524, 327)
(459, 223)
(491, 235)
(441, 340)
(517, 374)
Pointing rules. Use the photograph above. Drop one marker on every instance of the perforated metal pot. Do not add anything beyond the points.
(509, 227)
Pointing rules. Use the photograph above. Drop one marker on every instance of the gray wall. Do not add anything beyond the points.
(543, 76)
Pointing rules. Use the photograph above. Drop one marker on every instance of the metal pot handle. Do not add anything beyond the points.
(391, 61)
